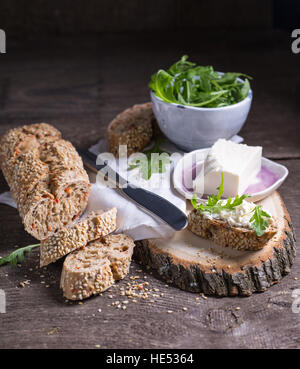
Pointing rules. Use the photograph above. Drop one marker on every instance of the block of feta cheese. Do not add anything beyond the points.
(239, 164)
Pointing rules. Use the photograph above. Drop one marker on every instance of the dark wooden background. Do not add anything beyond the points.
(89, 16)
(79, 82)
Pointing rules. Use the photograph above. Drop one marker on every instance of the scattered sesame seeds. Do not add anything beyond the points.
(53, 331)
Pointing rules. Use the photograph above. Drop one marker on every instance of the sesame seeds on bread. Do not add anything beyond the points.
(226, 235)
(66, 240)
(133, 127)
(94, 268)
(46, 177)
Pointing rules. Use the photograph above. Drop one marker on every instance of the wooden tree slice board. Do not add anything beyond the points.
(198, 265)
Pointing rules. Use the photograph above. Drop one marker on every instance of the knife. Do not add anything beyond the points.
(150, 201)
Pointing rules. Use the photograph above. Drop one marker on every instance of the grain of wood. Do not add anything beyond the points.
(119, 16)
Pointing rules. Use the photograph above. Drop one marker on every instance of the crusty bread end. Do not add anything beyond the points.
(133, 127)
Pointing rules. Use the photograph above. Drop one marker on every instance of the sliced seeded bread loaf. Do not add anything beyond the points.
(226, 235)
(96, 267)
(119, 249)
(66, 240)
(46, 177)
(133, 127)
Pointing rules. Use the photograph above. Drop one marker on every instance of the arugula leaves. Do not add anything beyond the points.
(258, 221)
(154, 160)
(18, 255)
(186, 83)
(214, 204)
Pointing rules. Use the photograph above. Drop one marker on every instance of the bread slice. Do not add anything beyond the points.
(133, 127)
(66, 240)
(226, 235)
(119, 249)
(96, 267)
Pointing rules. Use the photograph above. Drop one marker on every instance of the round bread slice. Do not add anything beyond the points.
(66, 240)
(85, 273)
(133, 127)
(224, 234)
(118, 249)
(96, 267)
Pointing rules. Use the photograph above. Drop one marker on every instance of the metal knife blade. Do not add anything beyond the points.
(150, 201)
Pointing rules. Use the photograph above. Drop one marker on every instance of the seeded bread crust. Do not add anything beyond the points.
(133, 127)
(96, 267)
(66, 240)
(46, 177)
(225, 235)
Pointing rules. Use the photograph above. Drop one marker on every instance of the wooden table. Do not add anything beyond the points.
(79, 85)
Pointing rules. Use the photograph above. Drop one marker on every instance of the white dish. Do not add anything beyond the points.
(191, 127)
(271, 176)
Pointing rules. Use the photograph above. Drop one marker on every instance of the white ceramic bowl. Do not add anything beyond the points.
(192, 128)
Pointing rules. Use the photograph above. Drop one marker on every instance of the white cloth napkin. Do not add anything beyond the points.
(133, 219)
(6, 198)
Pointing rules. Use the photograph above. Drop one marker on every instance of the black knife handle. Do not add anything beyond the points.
(158, 205)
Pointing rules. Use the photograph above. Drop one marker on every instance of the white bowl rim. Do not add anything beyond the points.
(257, 196)
(232, 106)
